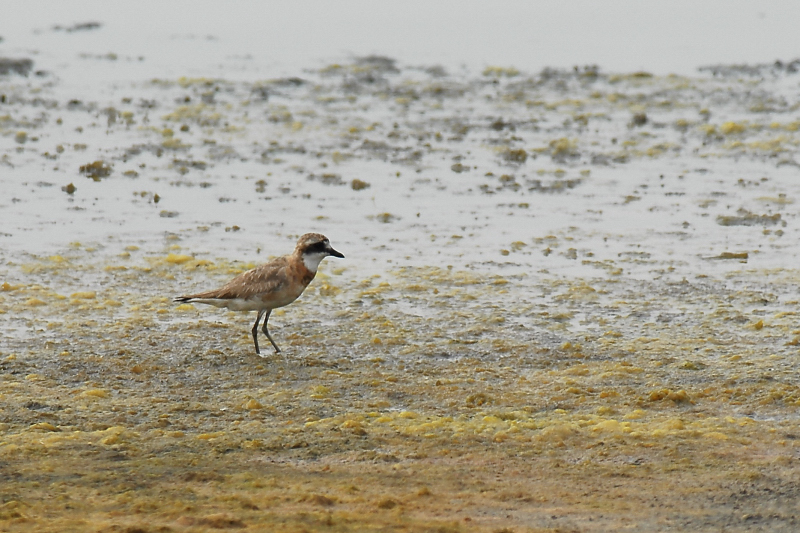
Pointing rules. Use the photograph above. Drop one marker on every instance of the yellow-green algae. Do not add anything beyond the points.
(424, 399)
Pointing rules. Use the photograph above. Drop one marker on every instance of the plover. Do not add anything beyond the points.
(271, 285)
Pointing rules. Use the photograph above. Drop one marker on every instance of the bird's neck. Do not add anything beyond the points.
(312, 261)
(302, 269)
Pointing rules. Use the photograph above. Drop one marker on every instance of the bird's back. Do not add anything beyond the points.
(270, 285)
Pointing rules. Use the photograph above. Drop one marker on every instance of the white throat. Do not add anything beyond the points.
(312, 261)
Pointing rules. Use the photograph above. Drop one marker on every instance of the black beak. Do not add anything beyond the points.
(334, 253)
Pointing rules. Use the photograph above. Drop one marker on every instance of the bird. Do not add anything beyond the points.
(271, 285)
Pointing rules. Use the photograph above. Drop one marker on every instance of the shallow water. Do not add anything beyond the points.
(559, 274)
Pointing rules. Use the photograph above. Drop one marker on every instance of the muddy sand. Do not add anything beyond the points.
(569, 300)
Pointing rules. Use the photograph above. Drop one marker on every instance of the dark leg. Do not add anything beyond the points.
(266, 332)
(255, 329)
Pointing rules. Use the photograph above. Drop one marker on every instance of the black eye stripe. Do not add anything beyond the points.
(317, 247)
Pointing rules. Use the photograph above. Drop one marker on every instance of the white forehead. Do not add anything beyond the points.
(313, 239)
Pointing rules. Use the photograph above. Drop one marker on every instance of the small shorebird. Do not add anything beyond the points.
(271, 285)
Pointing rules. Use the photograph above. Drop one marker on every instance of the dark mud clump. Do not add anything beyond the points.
(80, 26)
(96, 170)
(15, 66)
(744, 217)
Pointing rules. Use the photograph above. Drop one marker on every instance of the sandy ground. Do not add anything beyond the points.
(568, 303)
(379, 419)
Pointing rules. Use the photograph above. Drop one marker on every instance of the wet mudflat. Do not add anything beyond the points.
(568, 304)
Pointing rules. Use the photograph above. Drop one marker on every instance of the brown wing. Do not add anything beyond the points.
(268, 278)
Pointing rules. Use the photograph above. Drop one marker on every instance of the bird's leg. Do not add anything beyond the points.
(255, 329)
(266, 332)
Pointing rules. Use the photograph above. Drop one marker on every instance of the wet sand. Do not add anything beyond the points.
(568, 304)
